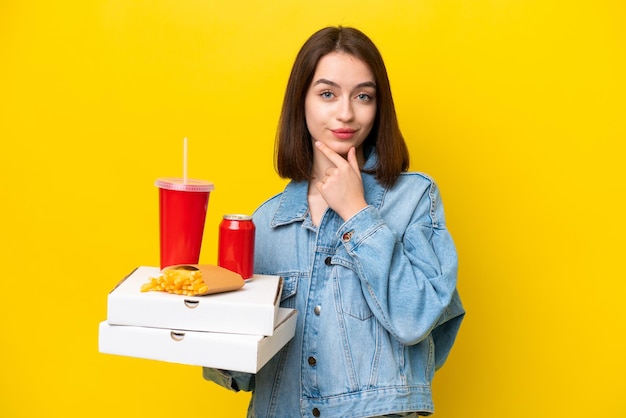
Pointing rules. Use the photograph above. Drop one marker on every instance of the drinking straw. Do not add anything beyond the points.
(185, 160)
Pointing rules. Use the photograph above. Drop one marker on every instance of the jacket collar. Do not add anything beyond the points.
(293, 205)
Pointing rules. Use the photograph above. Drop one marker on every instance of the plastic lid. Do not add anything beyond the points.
(192, 185)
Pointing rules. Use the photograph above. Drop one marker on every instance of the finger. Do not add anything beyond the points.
(352, 160)
(330, 154)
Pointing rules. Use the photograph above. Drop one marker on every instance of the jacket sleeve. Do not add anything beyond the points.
(231, 380)
(446, 329)
(408, 273)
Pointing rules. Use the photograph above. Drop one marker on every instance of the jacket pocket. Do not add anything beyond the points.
(349, 294)
(290, 288)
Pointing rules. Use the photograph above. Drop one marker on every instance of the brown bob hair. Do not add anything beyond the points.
(293, 153)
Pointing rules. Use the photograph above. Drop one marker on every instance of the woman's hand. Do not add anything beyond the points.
(342, 186)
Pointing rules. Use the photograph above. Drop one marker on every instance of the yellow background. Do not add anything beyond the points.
(516, 108)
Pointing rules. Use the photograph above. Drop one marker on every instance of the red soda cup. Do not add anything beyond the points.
(182, 213)
(236, 244)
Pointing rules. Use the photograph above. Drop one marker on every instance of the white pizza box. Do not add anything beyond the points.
(251, 310)
(239, 352)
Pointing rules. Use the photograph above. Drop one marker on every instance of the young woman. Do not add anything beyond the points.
(362, 246)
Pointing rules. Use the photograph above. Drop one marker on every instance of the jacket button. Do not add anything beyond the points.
(312, 361)
(327, 261)
(317, 310)
(316, 412)
(346, 237)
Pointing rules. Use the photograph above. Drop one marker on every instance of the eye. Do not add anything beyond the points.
(364, 97)
(326, 94)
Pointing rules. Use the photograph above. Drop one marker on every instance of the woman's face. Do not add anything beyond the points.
(340, 105)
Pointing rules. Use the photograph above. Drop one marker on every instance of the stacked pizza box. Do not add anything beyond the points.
(238, 330)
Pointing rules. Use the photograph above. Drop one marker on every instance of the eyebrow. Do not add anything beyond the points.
(333, 84)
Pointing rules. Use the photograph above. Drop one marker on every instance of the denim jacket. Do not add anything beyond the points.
(378, 310)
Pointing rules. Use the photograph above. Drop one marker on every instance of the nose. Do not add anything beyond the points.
(345, 112)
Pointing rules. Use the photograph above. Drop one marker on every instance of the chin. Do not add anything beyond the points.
(341, 148)
(343, 151)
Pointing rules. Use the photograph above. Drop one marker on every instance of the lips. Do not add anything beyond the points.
(343, 133)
